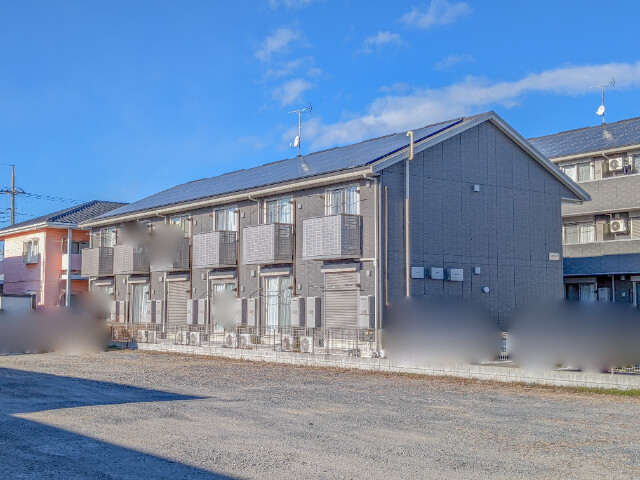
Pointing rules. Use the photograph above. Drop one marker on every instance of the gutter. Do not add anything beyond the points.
(38, 226)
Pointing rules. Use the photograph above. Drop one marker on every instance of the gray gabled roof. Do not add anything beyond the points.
(590, 139)
(381, 151)
(71, 216)
(319, 163)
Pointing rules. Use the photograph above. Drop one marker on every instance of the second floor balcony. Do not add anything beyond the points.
(170, 257)
(331, 237)
(215, 249)
(267, 244)
(76, 261)
(129, 260)
(96, 262)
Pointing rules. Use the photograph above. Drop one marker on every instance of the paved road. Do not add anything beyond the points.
(137, 415)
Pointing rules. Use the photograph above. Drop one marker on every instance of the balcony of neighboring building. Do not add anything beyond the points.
(267, 244)
(331, 237)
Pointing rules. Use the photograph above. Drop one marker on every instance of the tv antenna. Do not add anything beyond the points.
(297, 142)
(602, 86)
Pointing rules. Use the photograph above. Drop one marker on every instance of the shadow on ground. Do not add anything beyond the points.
(32, 450)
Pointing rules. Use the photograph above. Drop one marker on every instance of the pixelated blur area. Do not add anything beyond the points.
(80, 329)
(592, 336)
(425, 332)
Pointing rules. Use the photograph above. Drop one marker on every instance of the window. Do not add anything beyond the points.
(106, 237)
(584, 172)
(570, 171)
(278, 211)
(77, 247)
(183, 222)
(30, 251)
(342, 200)
(226, 219)
(579, 233)
(581, 172)
(635, 163)
(1, 250)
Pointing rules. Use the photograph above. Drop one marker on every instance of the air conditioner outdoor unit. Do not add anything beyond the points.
(615, 164)
(143, 336)
(182, 338)
(306, 344)
(246, 340)
(287, 342)
(194, 339)
(230, 340)
(618, 226)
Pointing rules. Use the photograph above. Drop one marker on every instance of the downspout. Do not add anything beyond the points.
(67, 296)
(376, 261)
(407, 226)
(294, 286)
(386, 246)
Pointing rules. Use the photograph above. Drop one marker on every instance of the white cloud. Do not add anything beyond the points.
(440, 12)
(395, 113)
(290, 3)
(380, 39)
(278, 42)
(291, 91)
(452, 60)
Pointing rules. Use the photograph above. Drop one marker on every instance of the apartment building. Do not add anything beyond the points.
(34, 256)
(320, 241)
(601, 238)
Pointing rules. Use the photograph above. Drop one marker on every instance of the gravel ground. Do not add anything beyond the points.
(145, 415)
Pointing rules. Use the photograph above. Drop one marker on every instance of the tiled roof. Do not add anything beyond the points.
(72, 215)
(590, 139)
(326, 161)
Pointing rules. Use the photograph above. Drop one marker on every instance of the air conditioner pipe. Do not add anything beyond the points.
(407, 225)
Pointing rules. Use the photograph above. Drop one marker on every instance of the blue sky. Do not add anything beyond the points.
(118, 100)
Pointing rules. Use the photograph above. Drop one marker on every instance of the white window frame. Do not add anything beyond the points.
(33, 250)
(227, 211)
(280, 201)
(576, 169)
(180, 221)
(330, 209)
(580, 231)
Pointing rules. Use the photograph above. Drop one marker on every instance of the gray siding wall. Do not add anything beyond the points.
(507, 229)
(309, 203)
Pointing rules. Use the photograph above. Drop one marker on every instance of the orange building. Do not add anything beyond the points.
(33, 254)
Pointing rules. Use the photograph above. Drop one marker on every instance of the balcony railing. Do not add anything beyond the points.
(267, 244)
(76, 261)
(30, 259)
(331, 237)
(214, 249)
(97, 262)
(177, 258)
(129, 260)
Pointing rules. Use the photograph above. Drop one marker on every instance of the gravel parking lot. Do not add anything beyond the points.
(142, 415)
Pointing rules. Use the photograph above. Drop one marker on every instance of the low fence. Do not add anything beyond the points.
(319, 341)
(332, 341)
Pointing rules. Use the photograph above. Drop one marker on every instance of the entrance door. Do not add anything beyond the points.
(177, 296)
(221, 301)
(277, 302)
(139, 297)
(341, 299)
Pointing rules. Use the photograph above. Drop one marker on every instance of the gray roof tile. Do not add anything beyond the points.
(72, 215)
(326, 161)
(590, 139)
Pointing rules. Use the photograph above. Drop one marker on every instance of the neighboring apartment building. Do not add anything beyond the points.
(319, 241)
(34, 254)
(601, 238)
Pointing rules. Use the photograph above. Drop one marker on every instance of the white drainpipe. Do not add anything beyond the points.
(407, 230)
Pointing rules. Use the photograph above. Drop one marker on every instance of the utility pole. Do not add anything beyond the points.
(13, 195)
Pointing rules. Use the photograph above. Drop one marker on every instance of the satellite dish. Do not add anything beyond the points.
(600, 111)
